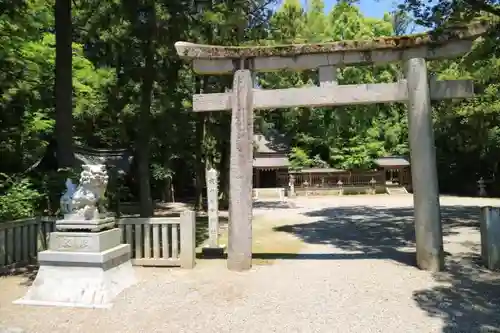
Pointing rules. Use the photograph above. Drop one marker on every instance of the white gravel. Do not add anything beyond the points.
(353, 276)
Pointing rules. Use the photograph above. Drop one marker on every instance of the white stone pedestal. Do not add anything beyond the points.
(81, 269)
(85, 225)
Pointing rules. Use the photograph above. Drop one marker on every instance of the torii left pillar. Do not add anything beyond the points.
(239, 255)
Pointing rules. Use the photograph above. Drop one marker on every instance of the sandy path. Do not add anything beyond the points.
(354, 274)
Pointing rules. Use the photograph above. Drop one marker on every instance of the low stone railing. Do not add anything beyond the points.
(21, 240)
(156, 241)
(161, 241)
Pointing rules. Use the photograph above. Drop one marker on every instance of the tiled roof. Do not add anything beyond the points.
(319, 170)
(391, 161)
(271, 162)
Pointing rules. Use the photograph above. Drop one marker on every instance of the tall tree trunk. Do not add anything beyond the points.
(63, 84)
(143, 147)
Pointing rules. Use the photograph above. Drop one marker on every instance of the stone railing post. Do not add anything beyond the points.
(188, 239)
(490, 237)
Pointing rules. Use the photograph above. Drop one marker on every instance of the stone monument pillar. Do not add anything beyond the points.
(213, 249)
(86, 265)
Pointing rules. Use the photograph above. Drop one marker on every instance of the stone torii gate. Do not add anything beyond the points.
(416, 89)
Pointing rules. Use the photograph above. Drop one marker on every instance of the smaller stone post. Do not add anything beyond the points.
(291, 185)
(340, 184)
(482, 187)
(212, 249)
(188, 239)
(373, 183)
(281, 192)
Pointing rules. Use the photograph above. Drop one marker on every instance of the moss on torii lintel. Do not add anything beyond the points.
(200, 51)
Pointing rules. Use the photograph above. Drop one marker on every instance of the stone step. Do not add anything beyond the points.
(396, 190)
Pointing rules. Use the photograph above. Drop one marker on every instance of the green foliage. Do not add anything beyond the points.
(438, 14)
(299, 159)
(343, 137)
(18, 199)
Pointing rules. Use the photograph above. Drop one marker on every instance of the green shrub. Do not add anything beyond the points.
(17, 198)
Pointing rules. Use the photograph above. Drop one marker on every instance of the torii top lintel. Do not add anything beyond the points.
(214, 59)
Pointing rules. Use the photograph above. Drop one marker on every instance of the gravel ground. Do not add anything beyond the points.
(355, 274)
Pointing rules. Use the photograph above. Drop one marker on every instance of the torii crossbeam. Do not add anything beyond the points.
(415, 89)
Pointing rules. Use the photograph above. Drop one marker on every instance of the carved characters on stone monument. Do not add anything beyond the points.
(213, 206)
(86, 201)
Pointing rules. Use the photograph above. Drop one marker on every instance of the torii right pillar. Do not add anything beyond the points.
(428, 228)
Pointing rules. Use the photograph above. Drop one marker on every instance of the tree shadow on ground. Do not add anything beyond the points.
(468, 296)
(375, 232)
(26, 271)
(469, 300)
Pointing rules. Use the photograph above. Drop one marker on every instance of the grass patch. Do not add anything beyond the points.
(202, 229)
(267, 241)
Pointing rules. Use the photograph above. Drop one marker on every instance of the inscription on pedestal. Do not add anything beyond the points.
(84, 241)
(66, 243)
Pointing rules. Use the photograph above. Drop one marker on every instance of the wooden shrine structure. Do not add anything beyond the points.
(397, 170)
(415, 89)
(270, 160)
